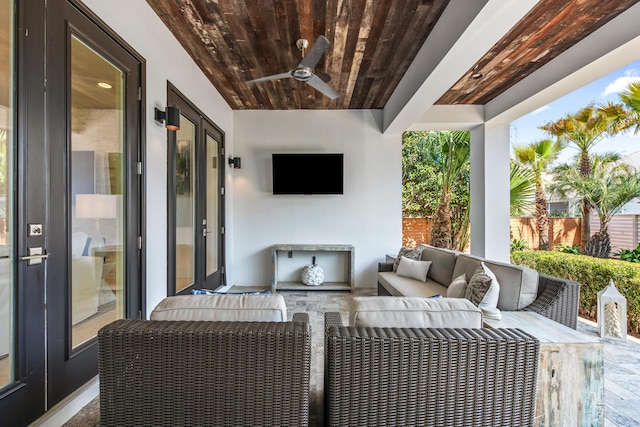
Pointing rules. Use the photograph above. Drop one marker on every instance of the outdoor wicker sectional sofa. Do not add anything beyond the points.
(521, 288)
(206, 372)
(384, 376)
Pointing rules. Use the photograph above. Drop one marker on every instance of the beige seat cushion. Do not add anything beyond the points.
(403, 286)
(403, 312)
(248, 308)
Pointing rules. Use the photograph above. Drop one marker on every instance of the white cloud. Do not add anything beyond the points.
(621, 83)
(541, 109)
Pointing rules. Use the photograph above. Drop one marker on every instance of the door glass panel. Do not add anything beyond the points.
(185, 204)
(97, 176)
(212, 205)
(7, 326)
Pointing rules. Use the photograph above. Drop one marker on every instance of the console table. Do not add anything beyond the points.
(345, 251)
(570, 374)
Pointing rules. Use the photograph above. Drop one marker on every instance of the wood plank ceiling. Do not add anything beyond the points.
(372, 43)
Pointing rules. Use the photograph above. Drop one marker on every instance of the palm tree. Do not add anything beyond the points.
(611, 185)
(537, 156)
(450, 151)
(583, 130)
(522, 188)
(630, 97)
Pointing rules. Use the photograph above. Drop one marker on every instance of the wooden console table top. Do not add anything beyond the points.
(312, 248)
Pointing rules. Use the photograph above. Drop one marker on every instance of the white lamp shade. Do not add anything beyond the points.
(97, 206)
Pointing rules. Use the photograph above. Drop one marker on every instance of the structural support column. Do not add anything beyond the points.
(490, 151)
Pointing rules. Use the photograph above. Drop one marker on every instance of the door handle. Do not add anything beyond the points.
(36, 255)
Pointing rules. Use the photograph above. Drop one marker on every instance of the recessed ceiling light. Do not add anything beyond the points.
(477, 76)
(104, 85)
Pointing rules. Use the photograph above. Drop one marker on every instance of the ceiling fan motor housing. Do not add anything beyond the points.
(302, 74)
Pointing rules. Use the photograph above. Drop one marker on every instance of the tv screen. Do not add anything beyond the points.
(307, 173)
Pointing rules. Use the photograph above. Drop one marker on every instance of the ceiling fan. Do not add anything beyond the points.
(304, 71)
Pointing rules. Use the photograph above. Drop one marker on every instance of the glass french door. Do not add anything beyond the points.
(22, 219)
(95, 194)
(196, 197)
(7, 200)
(70, 199)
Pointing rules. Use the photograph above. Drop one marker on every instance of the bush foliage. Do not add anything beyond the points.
(629, 255)
(594, 275)
(518, 245)
(567, 249)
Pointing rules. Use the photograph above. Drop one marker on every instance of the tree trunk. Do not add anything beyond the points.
(600, 245)
(441, 225)
(585, 226)
(542, 218)
(585, 223)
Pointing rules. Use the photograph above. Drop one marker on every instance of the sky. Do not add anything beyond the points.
(525, 129)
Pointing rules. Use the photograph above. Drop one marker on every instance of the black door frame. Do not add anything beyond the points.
(36, 121)
(24, 400)
(67, 369)
(204, 126)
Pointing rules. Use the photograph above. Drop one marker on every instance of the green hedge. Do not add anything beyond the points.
(594, 275)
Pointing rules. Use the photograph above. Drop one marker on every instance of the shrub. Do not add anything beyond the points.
(518, 245)
(567, 249)
(629, 255)
(594, 275)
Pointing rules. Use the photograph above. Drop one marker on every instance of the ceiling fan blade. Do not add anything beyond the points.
(312, 57)
(317, 83)
(268, 78)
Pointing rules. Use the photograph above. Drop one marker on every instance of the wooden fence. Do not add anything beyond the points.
(565, 231)
(416, 231)
(624, 231)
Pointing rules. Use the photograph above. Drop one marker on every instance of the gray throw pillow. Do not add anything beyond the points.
(458, 287)
(411, 253)
(413, 269)
(483, 289)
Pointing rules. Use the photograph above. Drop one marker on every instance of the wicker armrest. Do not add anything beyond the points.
(300, 317)
(559, 300)
(332, 318)
(385, 266)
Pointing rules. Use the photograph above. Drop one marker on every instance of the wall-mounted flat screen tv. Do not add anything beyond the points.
(308, 173)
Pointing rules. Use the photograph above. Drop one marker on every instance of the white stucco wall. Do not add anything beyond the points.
(368, 215)
(166, 60)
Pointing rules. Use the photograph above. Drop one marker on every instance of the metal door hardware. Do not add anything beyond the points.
(35, 230)
(36, 255)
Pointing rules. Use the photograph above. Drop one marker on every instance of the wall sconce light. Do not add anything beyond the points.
(236, 162)
(170, 116)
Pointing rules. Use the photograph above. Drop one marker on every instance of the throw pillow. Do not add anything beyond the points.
(458, 287)
(483, 289)
(413, 269)
(411, 253)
